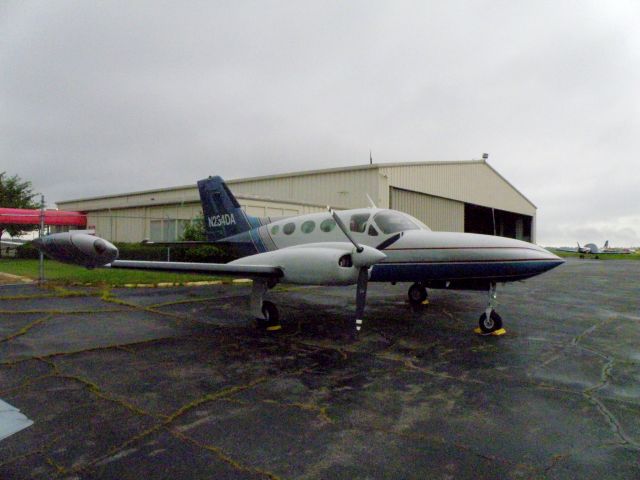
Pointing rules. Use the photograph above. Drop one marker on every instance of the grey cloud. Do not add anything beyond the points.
(113, 96)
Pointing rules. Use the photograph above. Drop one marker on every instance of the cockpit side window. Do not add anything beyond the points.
(372, 231)
(392, 222)
(358, 222)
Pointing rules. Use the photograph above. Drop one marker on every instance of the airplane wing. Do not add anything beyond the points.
(246, 271)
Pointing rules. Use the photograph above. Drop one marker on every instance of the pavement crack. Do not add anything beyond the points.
(98, 392)
(210, 397)
(24, 330)
(222, 455)
(611, 420)
(89, 350)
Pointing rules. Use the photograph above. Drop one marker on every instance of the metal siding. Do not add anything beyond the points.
(134, 224)
(345, 189)
(439, 214)
(475, 183)
(472, 182)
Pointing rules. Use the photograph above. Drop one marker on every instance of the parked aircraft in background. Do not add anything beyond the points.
(593, 249)
(334, 248)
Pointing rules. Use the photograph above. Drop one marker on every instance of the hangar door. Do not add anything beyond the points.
(490, 221)
(440, 214)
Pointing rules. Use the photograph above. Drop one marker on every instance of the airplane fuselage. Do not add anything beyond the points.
(413, 252)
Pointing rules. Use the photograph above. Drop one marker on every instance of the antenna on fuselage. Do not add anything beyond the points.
(371, 204)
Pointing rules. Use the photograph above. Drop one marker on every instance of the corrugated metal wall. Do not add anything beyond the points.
(471, 182)
(439, 214)
(136, 224)
(344, 189)
(433, 192)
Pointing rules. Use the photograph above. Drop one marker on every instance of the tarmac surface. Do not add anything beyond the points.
(178, 383)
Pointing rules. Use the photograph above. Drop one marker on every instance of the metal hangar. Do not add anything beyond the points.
(459, 196)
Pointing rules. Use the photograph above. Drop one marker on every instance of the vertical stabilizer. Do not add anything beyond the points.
(223, 216)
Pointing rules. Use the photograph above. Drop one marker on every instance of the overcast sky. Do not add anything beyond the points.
(116, 96)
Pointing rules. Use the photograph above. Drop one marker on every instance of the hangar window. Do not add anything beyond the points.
(328, 225)
(358, 222)
(289, 228)
(392, 222)
(167, 230)
(274, 229)
(308, 226)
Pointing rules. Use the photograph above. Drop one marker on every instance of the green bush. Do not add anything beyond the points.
(27, 251)
(202, 254)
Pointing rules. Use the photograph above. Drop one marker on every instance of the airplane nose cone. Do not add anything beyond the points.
(105, 250)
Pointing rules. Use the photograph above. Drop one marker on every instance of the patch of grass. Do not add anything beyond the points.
(70, 274)
(592, 256)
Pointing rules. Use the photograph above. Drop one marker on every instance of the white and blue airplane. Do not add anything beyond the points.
(333, 248)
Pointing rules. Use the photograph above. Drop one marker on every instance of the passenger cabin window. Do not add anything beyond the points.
(358, 222)
(372, 231)
(274, 230)
(289, 228)
(392, 222)
(308, 226)
(328, 225)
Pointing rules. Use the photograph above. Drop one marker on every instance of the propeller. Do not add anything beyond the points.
(363, 257)
(342, 226)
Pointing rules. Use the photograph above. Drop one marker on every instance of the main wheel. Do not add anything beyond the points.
(491, 324)
(271, 320)
(417, 293)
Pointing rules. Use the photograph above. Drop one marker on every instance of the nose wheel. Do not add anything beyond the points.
(490, 322)
(418, 294)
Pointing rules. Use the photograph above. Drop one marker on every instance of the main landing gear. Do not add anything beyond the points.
(418, 294)
(490, 322)
(264, 311)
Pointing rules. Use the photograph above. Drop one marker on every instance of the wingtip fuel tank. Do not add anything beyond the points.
(78, 249)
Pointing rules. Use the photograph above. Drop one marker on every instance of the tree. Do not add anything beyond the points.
(15, 193)
(194, 231)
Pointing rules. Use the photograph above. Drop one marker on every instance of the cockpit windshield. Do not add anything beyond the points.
(392, 222)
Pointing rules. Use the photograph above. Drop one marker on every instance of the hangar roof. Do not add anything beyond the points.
(189, 189)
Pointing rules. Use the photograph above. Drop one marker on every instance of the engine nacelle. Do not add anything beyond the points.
(330, 263)
(77, 248)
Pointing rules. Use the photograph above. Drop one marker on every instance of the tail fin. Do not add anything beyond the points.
(606, 244)
(223, 216)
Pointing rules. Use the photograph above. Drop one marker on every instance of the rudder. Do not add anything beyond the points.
(223, 216)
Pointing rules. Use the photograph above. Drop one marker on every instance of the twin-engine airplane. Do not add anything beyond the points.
(593, 249)
(333, 248)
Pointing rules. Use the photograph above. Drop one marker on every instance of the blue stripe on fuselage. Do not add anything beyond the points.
(257, 241)
(255, 224)
(501, 271)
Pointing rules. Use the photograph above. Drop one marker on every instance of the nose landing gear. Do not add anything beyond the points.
(490, 322)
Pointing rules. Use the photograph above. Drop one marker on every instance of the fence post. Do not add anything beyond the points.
(41, 255)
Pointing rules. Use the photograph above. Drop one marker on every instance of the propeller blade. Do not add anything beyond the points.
(336, 218)
(361, 295)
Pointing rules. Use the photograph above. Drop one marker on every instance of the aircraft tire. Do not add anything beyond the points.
(491, 324)
(271, 315)
(417, 293)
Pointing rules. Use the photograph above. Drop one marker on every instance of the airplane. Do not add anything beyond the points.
(379, 245)
(593, 249)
